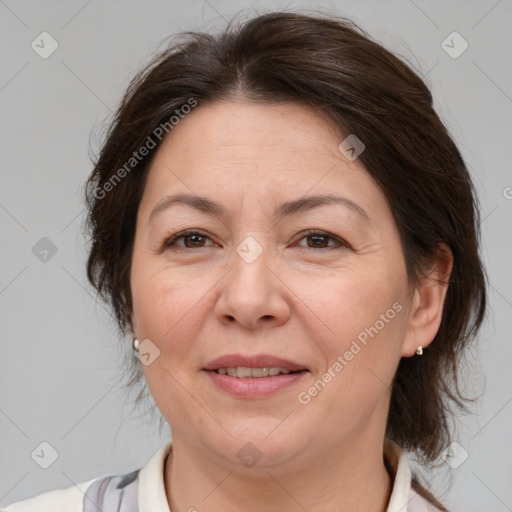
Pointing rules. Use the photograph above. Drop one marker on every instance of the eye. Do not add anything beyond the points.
(196, 239)
(193, 239)
(320, 239)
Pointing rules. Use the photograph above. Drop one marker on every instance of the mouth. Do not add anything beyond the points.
(256, 376)
(255, 366)
(244, 372)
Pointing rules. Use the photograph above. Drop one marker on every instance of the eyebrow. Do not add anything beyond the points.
(286, 209)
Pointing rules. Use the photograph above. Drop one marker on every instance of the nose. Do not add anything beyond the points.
(253, 294)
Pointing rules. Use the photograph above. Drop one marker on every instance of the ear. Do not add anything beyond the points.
(427, 305)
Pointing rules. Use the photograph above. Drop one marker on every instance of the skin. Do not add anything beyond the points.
(303, 298)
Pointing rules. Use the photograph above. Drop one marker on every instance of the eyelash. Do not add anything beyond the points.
(168, 243)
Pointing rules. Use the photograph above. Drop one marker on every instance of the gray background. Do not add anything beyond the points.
(60, 365)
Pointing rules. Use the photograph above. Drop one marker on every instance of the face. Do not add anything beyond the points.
(268, 272)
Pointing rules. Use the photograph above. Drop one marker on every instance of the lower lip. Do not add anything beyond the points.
(254, 387)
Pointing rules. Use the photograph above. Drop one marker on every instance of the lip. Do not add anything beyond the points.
(254, 387)
(255, 361)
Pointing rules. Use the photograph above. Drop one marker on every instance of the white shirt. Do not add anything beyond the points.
(143, 490)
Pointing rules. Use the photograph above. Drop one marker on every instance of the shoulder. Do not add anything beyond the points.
(106, 493)
(61, 500)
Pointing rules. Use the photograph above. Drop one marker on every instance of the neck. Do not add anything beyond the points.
(347, 479)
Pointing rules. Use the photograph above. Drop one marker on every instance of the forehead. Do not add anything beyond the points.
(265, 133)
(224, 122)
(269, 151)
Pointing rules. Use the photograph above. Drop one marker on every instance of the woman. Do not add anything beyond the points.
(285, 228)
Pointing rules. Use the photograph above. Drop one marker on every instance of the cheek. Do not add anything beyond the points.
(365, 313)
(167, 308)
(165, 305)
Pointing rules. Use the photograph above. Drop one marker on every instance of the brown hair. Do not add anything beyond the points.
(332, 65)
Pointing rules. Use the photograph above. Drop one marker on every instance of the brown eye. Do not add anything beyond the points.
(192, 239)
(321, 239)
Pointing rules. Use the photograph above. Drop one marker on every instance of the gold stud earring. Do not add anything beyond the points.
(419, 351)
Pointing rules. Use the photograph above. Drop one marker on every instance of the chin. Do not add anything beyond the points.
(260, 444)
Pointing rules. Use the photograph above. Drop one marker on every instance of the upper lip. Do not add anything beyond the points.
(255, 361)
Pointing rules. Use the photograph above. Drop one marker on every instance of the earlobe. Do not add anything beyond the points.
(427, 306)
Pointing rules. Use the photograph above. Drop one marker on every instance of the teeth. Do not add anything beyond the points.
(244, 372)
